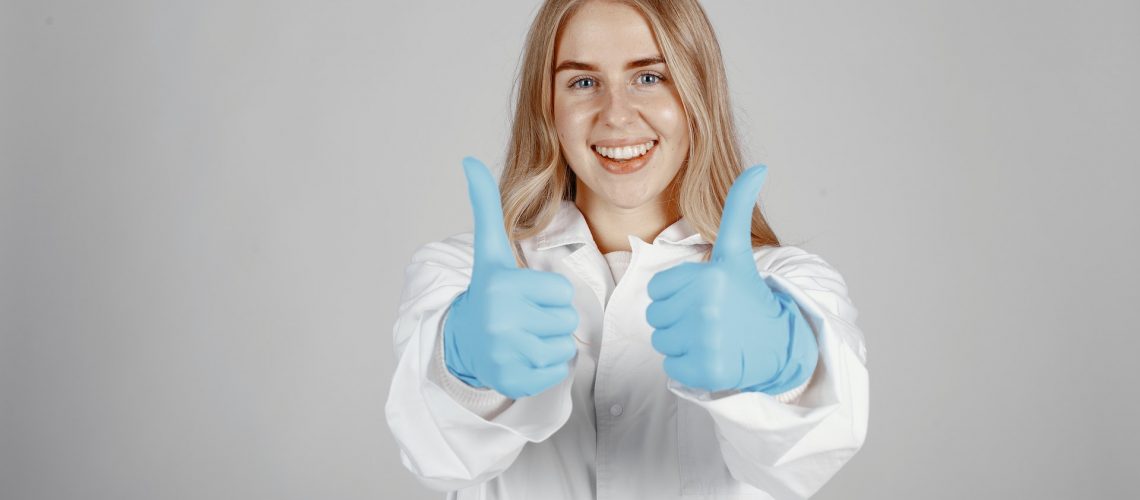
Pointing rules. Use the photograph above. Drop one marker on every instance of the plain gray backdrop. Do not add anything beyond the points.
(206, 210)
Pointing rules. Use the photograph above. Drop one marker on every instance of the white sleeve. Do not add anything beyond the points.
(790, 445)
(484, 402)
(446, 444)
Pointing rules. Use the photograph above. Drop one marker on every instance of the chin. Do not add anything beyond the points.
(624, 192)
(626, 200)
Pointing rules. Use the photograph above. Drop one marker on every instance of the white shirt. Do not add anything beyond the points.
(618, 428)
(618, 261)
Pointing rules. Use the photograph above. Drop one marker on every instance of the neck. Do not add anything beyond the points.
(611, 226)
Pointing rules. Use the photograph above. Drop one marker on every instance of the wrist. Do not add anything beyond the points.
(451, 354)
(801, 354)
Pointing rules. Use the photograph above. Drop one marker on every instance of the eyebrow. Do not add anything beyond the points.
(648, 61)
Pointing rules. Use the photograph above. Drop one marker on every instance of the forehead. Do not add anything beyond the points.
(606, 32)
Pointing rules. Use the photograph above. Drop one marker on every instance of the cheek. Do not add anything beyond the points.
(573, 131)
(666, 115)
(672, 120)
(570, 134)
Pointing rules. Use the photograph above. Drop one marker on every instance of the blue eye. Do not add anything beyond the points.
(574, 84)
(588, 82)
(656, 78)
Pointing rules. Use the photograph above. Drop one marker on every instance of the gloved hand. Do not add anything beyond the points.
(512, 329)
(718, 323)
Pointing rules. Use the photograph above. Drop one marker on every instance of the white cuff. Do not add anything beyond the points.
(485, 402)
(793, 396)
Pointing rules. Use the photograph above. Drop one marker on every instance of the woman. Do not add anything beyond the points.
(554, 353)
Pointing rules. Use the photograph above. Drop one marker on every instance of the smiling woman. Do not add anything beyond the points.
(616, 113)
(622, 322)
(619, 74)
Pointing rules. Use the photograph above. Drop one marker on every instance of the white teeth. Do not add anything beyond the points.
(625, 153)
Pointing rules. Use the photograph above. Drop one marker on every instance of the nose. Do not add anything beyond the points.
(619, 109)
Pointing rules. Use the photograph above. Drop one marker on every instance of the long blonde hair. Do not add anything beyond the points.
(537, 176)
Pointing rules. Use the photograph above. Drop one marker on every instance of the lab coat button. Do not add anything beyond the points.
(616, 410)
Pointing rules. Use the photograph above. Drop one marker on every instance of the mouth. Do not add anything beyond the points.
(627, 159)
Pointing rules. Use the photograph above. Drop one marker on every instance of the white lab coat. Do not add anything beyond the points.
(618, 428)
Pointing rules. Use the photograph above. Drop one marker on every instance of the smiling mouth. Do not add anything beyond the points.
(626, 159)
(625, 153)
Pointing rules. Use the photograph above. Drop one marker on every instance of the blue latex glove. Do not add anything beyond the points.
(718, 323)
(512, 329)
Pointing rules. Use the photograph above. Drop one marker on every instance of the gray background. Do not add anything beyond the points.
(206, 209)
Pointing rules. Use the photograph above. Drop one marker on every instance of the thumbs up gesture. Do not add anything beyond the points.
(512, 329)
(718, 323)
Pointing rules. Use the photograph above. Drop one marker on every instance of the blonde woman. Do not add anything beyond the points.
(622, 322)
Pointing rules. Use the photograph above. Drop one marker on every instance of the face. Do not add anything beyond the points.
(613, 98)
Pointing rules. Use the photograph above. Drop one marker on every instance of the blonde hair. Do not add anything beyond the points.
(537, 176)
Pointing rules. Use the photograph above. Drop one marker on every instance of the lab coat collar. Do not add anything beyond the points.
(569, 227)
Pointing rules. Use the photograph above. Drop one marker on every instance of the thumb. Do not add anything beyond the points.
(735, 234)
(491, 244)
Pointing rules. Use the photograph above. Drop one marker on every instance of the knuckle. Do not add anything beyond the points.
(572, 320)
(541, 359)
(715, 283)
(565, 287)
(651, 312)
(709, 311)
(656, 307)
(499, 283)
(567, 348)
(565, 319)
